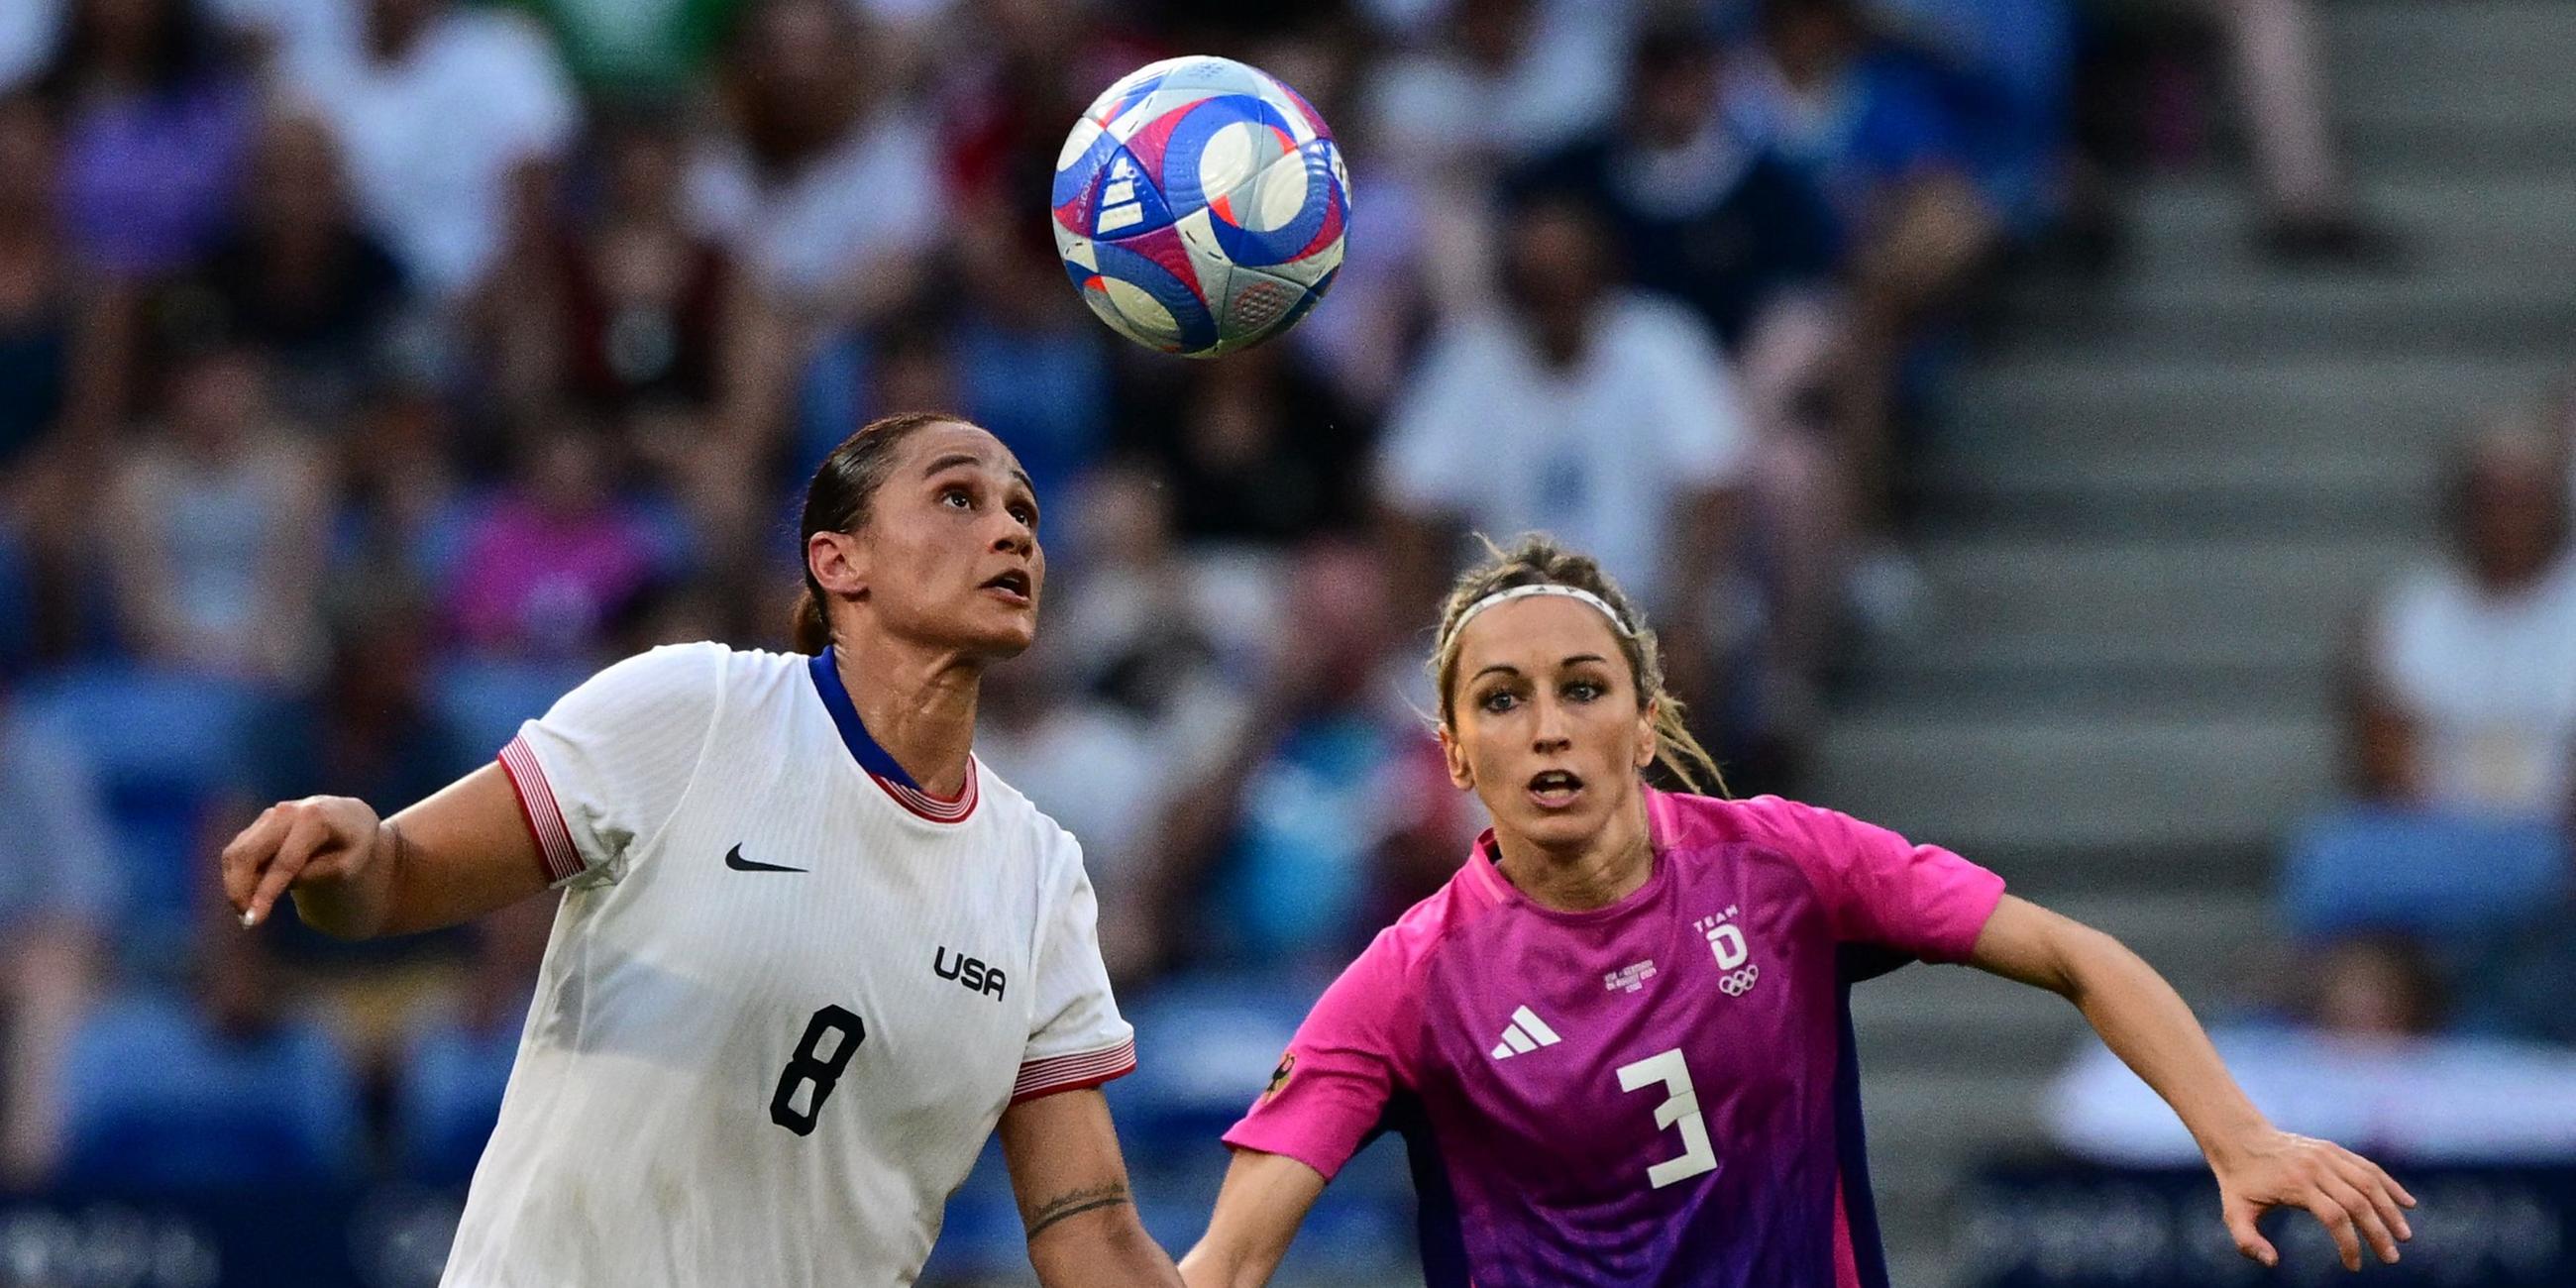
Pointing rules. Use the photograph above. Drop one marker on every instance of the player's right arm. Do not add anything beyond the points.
(1328, 1096)
(453, 857)
(573, 799)
(1264, 1199)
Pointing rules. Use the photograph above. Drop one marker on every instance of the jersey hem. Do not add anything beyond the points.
(556, 852)
(1956, 949)
(1074, 1072)
(1237, 1138)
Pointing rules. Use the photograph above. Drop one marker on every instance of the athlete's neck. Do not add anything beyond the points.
(1603, 869)
(917, 704)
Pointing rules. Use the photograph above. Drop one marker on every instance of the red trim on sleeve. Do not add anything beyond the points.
(555, 850)
(1074, 1072)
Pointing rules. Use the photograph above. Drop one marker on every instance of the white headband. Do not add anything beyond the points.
(1541, 588)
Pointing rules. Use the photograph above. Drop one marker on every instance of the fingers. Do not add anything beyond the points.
(248, 852)
(2381, 1192)
(2386, 1181)
(2249, 1240)
(2338, 1223)
(305, 835)
(2366, 1217)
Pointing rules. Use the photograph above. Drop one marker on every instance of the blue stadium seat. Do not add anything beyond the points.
(485, 700)
(980, 1239)
(156, 1101)
(449, 1097)
(165, 745)
(2441, 875)
(1204, 1049)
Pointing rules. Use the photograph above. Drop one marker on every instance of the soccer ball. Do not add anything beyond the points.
(1200, 206)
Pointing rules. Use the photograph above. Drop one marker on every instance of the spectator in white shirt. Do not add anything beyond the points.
(445, 114)
(1602, 415)
(2467, 691)
(828, 185)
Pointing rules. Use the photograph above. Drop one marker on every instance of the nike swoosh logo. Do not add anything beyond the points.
(734, 860)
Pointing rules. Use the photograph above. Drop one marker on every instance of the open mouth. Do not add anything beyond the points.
(1012, 585)
(1555, 788)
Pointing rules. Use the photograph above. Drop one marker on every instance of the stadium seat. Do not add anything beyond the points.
(155, 1100)
(981, 1237)
(484, 700)
(1204, 1047)
(2435, 874)
(449, 1097)
(165, 746)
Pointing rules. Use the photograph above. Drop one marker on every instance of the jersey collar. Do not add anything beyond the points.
(880, 766)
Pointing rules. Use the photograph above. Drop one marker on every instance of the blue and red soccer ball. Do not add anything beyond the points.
(1200, 206)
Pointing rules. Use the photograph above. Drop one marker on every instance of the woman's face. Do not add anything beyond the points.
(1546, 724)
(2516, 519)
(950, 554)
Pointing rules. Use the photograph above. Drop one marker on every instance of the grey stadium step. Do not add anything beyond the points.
(2038, 782)
(2329, 404)
(2050, 657)
(2114, 593)
(2474, 309)
(2365, 37)
(2195, 227)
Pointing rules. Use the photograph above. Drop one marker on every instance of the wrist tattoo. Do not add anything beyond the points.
(1075, 1203)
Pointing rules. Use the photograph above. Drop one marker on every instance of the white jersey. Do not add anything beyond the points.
(788, 994)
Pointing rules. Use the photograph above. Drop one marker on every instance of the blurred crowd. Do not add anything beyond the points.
(371, 371)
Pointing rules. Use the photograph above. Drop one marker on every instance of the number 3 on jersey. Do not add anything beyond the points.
(1679, 1109)
(817, 1069)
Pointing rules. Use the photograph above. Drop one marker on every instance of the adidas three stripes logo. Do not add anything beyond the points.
(1527, 1032)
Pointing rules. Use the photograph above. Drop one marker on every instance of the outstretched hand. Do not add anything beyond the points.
(2346, 1193)
(318, 838)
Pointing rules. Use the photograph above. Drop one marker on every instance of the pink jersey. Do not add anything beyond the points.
(1662, 1091)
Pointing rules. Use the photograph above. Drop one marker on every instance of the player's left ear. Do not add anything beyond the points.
(839, 562)
(1645, 754)
(1455, 757)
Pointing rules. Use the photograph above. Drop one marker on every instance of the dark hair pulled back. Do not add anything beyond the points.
(837, 500)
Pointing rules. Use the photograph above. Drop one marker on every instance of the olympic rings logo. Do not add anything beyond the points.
(1738, 983)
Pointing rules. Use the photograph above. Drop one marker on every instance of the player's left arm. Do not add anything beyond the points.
(2152, 1030)
(1072, 1186)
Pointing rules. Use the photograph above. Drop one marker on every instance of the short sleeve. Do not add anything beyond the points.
(1880, 888)
(600, 774)
(1331, 1089)
(1077, 1038)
